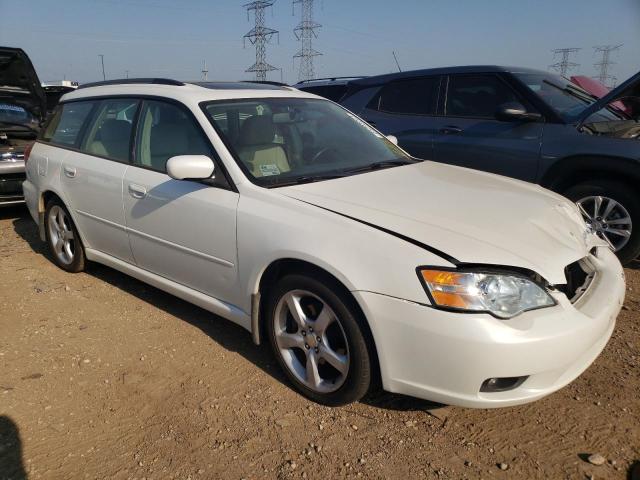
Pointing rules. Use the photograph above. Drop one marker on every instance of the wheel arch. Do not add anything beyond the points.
(578, 168)
(45, 197)
(279, 268)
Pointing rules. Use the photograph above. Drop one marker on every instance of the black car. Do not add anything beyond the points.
(23, 107)
(332, 88)
(522, 123)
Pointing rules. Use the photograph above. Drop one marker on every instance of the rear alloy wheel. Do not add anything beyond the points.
(610, 209)
(317, 340)
(63, 239)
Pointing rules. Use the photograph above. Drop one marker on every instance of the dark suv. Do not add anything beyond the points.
(522, 123)
(23, 107)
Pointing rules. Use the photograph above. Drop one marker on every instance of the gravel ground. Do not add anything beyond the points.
(102, 376)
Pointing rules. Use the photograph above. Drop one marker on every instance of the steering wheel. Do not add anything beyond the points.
(321, 153)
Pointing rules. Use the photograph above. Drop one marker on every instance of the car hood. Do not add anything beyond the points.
(19, 83)
(472, 216)
(628, 88)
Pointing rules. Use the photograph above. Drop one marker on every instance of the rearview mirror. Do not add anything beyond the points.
(393, 139)
(514, 111)
(190, 167)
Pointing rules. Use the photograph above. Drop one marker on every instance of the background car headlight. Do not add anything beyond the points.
(502, 295)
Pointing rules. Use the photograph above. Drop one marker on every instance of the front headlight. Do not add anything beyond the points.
(502, 295)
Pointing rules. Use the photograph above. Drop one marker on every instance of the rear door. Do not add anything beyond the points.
(182, 230)
(469, 134)
(406, 109)
(97, 135)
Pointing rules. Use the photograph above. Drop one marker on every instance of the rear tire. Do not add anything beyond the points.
(322, 349)
(62, 236)
(628, 204)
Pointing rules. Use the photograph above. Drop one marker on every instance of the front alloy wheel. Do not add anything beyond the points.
(318, 337)
(311, 341)
(608, 219)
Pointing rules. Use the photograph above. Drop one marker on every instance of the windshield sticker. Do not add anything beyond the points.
(269, 170)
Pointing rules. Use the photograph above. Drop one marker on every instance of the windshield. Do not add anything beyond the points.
(280, 141)
(567, 99)
(11, 114)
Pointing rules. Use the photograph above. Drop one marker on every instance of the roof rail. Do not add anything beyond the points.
(129, 81)
(330, 78)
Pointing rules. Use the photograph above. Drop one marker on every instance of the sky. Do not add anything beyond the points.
(172, 38)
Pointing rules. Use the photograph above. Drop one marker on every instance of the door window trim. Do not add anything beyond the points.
(226, 184)
(90, 122)
(447, 81)
(378, 96)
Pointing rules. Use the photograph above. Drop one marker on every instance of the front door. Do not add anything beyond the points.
(470, 135)
(182, 230)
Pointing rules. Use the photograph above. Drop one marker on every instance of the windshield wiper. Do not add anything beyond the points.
(307, 179)
(380, 165)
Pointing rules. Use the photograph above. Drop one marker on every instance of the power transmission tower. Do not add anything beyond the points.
(564, 65)
(603, 65)
(260, 36)
(305, 31)
(205, 71)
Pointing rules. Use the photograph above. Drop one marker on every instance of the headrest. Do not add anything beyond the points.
(169, 139)
(114, 131)
(257, 130)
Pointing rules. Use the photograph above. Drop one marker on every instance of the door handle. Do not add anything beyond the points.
(70, 172)
(450, 130)
(137, 191)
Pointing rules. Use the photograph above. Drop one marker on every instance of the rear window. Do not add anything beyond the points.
(67, 121)
(331, 92)
(416, 96)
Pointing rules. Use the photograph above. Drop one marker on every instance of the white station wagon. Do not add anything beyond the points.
(293, 218)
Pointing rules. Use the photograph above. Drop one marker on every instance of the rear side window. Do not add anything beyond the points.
(331, 92)
(67, 122)
(110, 133)
(417, 96)
(164, 131)
(477, 96)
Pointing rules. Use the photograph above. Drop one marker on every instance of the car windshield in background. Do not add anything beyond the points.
(567, 99)
(15, 115)
(281, 141)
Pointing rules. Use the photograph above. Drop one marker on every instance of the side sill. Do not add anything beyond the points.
(213, 305)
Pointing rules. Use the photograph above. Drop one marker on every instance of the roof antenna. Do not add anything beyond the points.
(396, 59)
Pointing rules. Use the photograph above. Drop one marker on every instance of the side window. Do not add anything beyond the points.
(477, 96)
(110, 133)
(66, 123)
(164, 131)
(416, 96)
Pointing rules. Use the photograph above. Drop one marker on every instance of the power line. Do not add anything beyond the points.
(564, 65)
(604, 65)
(305, 31)
(259, 36)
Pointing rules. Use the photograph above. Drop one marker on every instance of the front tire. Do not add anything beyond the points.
(316, 336)
(62, 237)
(613, 211)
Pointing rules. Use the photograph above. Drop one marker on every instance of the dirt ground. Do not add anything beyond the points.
(102, 376)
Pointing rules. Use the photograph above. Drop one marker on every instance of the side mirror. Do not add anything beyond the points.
(190, 167)
(393, 139)
(514, 111)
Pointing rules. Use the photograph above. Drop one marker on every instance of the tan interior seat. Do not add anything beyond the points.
(257, 150)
